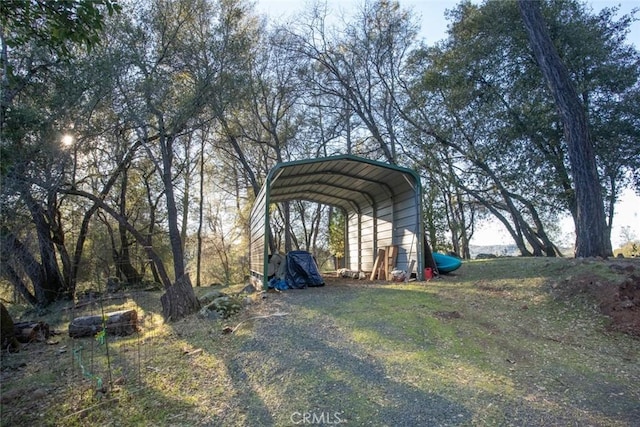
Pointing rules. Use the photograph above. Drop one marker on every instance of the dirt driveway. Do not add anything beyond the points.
(396, 355)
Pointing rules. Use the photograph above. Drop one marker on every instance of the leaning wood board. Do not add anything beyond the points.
(390, 261)
(377, 265)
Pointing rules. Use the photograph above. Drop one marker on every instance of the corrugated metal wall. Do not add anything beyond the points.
(395, 223)
(257, 243)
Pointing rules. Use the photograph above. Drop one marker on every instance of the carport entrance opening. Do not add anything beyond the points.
(381, 202)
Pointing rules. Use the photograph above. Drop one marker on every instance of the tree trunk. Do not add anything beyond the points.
(18, 283)
(200, 214)
(86, 220)
(126, 271)
(591, 229)
(179, 300)
(538, 234)
(286, 213)
(77, 253)
(140, 238)
(316, 229)
(186, 196)
(58, 239)
(51, 284)
(13, 248)
(151, 228)
(121, 259)
(166, 144)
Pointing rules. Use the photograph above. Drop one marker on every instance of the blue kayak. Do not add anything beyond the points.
(446, 263)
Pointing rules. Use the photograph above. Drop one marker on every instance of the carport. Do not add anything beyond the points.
(381, 202)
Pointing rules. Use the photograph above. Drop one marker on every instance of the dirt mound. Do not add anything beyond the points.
(617, 299)
(623, 305)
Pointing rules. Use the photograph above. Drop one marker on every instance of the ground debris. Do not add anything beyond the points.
(447, 314)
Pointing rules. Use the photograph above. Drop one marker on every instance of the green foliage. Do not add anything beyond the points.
(434, 223)
(36, 35)
(481, 94)
(336, 233)
(630, 249)
(55, 24)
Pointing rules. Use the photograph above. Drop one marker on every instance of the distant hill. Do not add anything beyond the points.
(505, 250)
(498, 250)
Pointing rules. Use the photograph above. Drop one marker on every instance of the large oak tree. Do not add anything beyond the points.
(592, 238)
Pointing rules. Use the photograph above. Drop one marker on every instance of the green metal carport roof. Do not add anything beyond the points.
(383, 201)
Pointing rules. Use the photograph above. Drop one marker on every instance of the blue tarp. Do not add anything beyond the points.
(302, 270)
(279, 284)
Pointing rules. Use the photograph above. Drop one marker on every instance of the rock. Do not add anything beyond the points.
(11, 395)
(486, 256)
(249, 289)
(210, 296)
(226, 306)
(207, 313)
(350, 274)
(398, 275)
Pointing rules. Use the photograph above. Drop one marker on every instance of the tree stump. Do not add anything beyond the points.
(7, 333)
(122, 323)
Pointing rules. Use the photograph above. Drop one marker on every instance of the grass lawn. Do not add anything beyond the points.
(508, 341)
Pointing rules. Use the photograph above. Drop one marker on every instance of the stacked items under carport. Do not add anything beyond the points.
(385, 263)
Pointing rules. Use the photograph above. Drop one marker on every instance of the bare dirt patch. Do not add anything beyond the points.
(617, 295)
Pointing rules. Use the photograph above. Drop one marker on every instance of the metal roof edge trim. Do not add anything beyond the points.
(271, 176)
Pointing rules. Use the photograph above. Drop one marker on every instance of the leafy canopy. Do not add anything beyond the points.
(54, 23)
